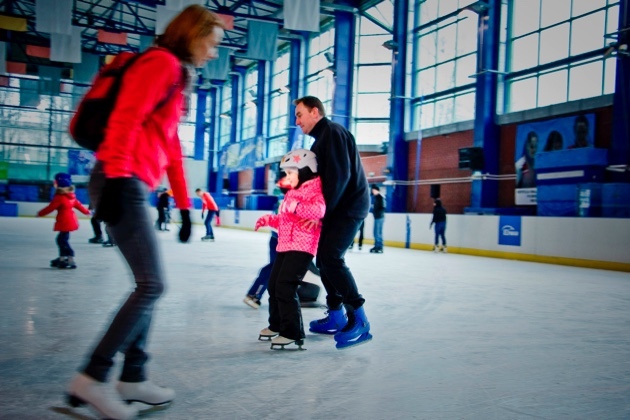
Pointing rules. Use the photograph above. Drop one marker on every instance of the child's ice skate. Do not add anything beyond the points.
(266, 334)
(356, 332)
(436, 248)
(252, 301)
(66, 263)
(443, 249)
(280, 342)
(55, 262)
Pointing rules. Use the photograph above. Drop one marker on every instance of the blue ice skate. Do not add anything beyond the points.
(356, 332)
(333, 323)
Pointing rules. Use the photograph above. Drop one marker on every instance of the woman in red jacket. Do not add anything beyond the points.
(140, 146)
(299, 228)
(64, 202)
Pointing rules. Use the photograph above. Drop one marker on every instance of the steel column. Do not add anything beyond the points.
(620, 147)
(397, 151)
(485, 193)
(345, 28)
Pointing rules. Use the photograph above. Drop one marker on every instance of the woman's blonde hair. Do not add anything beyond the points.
(191, 23)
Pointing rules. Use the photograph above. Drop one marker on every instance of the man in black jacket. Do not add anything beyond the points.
(347, 198)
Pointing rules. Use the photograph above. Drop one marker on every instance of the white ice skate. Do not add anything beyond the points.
(266, 334)
(279, 343)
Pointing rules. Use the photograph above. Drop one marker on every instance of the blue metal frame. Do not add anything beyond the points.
(258, 182)
(200, 124)
(485, 193)
(345, 29)
(620, 147)
(397, 152)
(295, 69)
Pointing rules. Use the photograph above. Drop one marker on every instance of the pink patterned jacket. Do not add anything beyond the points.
(299, 205)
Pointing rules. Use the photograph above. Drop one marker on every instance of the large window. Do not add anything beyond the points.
(186, 129)
(279, 106)
(555, 51)
(250, 109)
(444, 62)
(34, 137)
(320, 79)
(225, 114)
(373, 75)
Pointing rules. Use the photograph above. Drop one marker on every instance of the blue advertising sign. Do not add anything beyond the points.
(547, 136)
(510, 230)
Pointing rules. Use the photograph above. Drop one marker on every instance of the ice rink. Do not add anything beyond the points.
(455, 336)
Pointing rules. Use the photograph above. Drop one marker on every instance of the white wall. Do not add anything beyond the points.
(565, 240)
(592, 239)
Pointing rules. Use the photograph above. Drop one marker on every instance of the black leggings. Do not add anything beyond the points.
(285, 314)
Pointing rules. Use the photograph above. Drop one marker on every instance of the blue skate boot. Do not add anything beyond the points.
(356, 331)
(334, 322)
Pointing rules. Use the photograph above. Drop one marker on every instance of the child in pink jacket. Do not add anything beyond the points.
(64, 201)
(299, 228)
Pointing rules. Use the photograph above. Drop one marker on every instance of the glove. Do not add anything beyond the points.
(184, 231)
(110, 205)
(202, 214)
(262, 221)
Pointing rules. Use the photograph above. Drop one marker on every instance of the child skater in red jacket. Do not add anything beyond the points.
(298, 225)
(64, 202)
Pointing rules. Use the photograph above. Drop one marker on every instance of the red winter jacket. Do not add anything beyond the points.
(64, 203)
(140, 140)
(292, 236)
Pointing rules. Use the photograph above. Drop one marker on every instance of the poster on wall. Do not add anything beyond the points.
(546, 136)
(510, 230)
(80, 164)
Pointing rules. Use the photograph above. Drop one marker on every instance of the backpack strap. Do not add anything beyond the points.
(130, 62)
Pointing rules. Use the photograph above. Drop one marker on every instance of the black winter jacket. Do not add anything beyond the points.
(344, 183)
(379, 207)
(439, 214)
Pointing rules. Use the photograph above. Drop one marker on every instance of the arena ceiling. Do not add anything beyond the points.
(138, 17)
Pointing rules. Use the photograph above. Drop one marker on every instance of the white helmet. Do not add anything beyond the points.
(299, 158)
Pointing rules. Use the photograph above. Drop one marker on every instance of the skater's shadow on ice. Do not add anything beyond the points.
(70, 413)
(145, 411)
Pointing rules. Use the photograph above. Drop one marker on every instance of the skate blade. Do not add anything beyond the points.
(266, 337)
(298, 347)
(362, 339)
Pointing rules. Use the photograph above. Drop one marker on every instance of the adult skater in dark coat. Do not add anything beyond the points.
(347, 198)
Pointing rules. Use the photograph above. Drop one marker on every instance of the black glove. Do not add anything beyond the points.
(202, 214)
(184, 231)
(110, 205)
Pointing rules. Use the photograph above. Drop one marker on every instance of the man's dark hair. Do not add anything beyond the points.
(311, 102)
(198, 190)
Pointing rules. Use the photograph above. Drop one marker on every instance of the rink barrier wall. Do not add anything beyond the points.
(600, 243)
